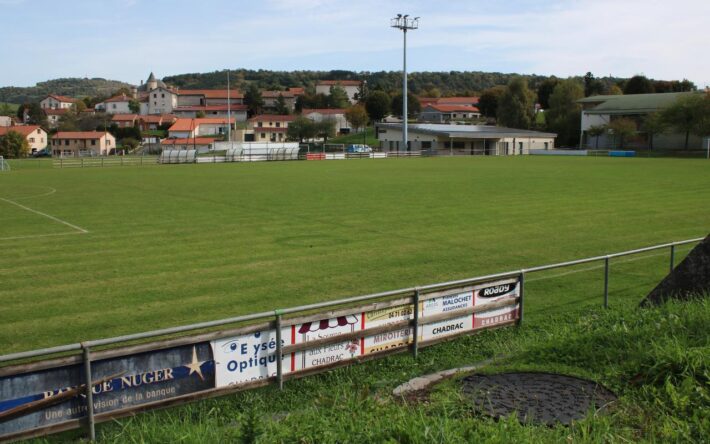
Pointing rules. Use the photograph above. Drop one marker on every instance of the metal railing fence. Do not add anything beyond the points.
(340, 302)
(412, 296)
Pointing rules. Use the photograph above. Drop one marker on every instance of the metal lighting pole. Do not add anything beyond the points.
(404, 23)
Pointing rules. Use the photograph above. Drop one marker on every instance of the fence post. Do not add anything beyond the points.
(121, 160)
(102, 162)
(522, 296)
(606, 282)
(279, 351)
(89, 393)
(82, 162)
(672, 256)
(415, 347)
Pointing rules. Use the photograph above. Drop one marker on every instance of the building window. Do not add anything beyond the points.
(263, 135)
(155, 96)
(93, 142)
(108, 142)
(114, 106)
(162, 95)
(547, 145)
(426, 145)
(278, 124)
(32, 140)
(260, 124)
(66, 142)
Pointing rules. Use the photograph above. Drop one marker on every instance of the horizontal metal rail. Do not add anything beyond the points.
(268, 314)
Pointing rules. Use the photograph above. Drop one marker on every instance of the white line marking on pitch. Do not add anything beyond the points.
(56, 219)
(51, 191)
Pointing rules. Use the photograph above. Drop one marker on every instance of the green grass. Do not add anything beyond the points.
(656, 360)
(11, 108)
(175, 244)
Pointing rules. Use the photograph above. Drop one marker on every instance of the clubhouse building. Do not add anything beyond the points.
(463, 139)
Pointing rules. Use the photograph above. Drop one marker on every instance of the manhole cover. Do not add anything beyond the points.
(536, 397)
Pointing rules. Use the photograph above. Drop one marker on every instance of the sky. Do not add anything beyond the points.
(127, 39)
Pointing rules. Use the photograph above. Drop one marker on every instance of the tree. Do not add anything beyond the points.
(14, 144)
(596, 131)
(614, 90)
(300, 129)
(134, 106)
(338, 98)
(689, 114)
(592, 86)
(325, 129)
(488, 101)
(653, 124)
(622, 129)
(377, 105)
(357, 116)
(545, 90)
(281, 107)
(78, 106)
(253, 99)
(515, 106)
(413, 105)
(199, 114)
(35, 114)
(638, 84)
(5, 110)
(564, 114)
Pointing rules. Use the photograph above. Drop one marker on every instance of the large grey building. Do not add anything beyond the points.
(463, 139)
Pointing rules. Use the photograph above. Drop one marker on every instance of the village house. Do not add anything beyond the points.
(190, 128)
(119, 104)
(154, 122)
(36, 137)
(351, 87)
(268, 128)
(55, 101)
(125, 120)
(82, 143)
(201, 144)
(446, 113)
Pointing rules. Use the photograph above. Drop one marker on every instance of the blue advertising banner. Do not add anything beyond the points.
(125, 382)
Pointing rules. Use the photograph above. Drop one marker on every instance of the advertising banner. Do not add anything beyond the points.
(327, 354)
(125, 382)
(492, 292)
(248, 357)
(456, 300)
(388, 340)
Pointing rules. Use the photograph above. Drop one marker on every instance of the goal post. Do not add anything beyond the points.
(4, 166)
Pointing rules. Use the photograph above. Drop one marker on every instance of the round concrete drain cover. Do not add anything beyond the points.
(543, 398)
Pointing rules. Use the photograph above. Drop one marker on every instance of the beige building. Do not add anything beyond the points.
(36, 137)
(124, 120)
(82, 143)
(463, 139)
(55, 101)
(268, 128)
(351, 87)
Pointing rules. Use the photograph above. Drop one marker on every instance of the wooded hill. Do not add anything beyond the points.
(71, 87)
(451, 83)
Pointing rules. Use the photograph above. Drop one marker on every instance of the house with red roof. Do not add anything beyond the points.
(36, 137)
(82, 143)
(191, 128)
(447, 113)
(125, 120)
(55, 101)
(351, 87)
(268, 127)
(119, 104)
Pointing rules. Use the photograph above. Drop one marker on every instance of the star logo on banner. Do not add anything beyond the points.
(195, 366)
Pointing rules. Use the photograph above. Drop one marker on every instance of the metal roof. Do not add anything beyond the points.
(468, 131)
(632, 103)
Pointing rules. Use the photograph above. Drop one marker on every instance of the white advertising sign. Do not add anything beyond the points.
(327, 354)
(248, 358)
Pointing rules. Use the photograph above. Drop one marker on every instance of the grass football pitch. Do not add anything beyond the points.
(97, 252)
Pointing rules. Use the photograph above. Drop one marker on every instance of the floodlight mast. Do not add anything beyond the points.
(404, 23)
